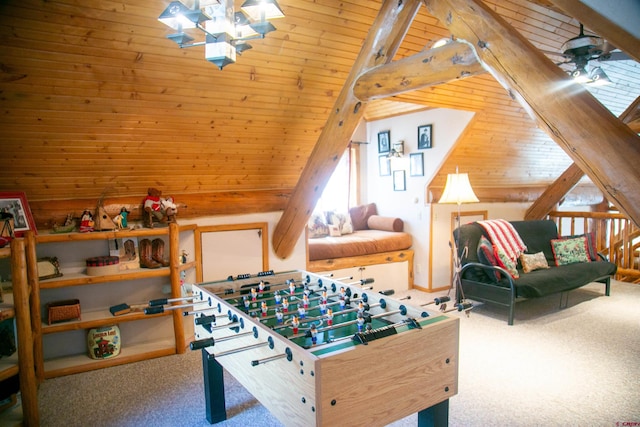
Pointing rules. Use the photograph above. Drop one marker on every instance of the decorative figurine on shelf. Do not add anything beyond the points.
(183, 257)
(86, 222)
(157, 208)
(121, 219)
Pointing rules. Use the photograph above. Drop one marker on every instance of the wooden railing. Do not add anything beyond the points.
(617, 237)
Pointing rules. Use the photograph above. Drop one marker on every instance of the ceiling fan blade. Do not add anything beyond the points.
(614, 56)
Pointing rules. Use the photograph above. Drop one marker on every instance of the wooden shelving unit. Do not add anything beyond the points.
(21, 362)
(94, 314)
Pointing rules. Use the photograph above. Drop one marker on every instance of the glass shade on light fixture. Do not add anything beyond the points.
(580, 75)
(179, 16)
(458, 190)
(599, 77)
(259, 10)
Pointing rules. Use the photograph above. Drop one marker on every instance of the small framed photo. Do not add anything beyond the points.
(399, 182)
(425, 136)
(384, 165)
(416, 164)
(14, 203)
(384, 141)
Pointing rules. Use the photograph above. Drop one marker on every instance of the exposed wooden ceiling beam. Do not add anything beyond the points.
(603, 147)
(453, 61)
(379, 47)
(569, 179)
(616, 32)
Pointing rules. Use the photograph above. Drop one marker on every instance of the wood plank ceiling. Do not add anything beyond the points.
(95, 100)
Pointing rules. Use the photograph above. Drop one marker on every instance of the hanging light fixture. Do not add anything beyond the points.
(225, 31)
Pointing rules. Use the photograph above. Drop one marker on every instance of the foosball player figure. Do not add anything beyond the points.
(324, 297)
(277, 297)
(263, 308)
(302, 312)
(285, 304)
(279, 316)
(305, 301)
(343, 293)
(343, 304)
(295, 324)
(329, 317)
(292, 287)
(247, 304)
(360, 307)
(254, 294)
(314, 334)
(360, 322)
(261, 286)
(323, 307)
(307, 291)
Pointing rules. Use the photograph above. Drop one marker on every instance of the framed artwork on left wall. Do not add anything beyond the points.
(15, 203)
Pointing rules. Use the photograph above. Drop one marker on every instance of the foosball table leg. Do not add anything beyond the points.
(213, 388)
(435, 416)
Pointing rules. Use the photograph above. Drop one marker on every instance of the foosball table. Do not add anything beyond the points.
(319, 351)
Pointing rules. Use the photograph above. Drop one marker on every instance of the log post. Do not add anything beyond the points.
(379, 47)
(452, 61)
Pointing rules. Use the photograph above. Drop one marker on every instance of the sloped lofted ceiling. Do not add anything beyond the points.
(95, 100)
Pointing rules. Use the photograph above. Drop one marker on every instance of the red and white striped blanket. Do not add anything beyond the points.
(503, 235)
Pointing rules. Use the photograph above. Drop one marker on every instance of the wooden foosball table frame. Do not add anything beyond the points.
(371, 378)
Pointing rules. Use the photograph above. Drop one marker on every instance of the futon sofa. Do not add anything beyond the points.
(359, 237)
(550, 264)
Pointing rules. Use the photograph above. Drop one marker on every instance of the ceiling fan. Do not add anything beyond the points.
(583, 48)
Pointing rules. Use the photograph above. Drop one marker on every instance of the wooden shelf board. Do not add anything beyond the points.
(79, 279)
(48, 237)
(9, 366)
(81, 362)
(96, 319)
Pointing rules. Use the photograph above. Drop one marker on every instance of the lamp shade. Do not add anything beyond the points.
(458, 190)
(259, 10)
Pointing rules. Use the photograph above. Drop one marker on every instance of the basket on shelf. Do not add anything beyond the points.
(61, 311)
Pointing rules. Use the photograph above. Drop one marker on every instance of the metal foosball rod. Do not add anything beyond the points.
(158, 309)
(163, 301)
(277, 286)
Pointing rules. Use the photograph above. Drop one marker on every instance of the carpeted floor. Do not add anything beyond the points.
(579, 366)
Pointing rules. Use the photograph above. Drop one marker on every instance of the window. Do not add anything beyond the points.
(341, 190)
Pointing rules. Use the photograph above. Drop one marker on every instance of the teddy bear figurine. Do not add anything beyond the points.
(157, 208)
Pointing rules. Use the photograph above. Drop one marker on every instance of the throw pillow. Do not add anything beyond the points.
(317, 226)
(343, 221)
(569, 251)
(360, 215)
(487, 257)
(591, 243)
(531, 262)
(334, 230)
(505, 262)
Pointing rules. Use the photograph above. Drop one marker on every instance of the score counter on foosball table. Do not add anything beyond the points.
(325, 352)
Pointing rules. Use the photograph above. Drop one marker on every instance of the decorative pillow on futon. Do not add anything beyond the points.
(591, 243)
(531, 262)
(569, 251)
(486, 256)
(317, 226)
(360, 215)
(385, 223)
(342, 221)
(505, 262)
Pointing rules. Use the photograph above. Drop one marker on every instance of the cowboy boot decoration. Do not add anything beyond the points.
(146, 255)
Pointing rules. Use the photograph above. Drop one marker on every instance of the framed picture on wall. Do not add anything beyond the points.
(13, 204)
(384, 165)
(384, 139)
(399, 182)
(416, 164)
(425, 136)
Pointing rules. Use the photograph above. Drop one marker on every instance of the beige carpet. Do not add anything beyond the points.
(573, 367)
